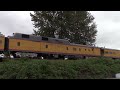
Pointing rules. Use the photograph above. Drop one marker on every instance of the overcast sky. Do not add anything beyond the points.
(108, 26)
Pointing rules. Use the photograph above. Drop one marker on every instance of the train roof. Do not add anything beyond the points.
(38, 38)
(83, 45)
(48, 39)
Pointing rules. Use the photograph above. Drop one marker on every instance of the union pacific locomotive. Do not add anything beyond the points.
(24, 45)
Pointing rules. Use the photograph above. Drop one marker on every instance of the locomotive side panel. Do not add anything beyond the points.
(69, 49)
(53, 48)
(23, 45)
(86, 51)
(47, 47)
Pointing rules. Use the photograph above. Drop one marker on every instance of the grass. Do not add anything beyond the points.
(99, 68)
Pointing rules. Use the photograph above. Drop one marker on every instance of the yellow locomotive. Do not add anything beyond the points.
(46, 46)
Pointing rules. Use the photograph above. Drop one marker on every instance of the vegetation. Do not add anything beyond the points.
(99, 68)
(76, 26)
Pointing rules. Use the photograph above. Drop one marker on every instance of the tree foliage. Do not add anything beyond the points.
(76, 26)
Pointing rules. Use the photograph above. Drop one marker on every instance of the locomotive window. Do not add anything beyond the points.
(18, 43)
(46, 46)
(74, 49)
(85, 49)
(92, 49)
(67, 48)
(79, 49)
(25, 36)
(0, 41)
(44, 38)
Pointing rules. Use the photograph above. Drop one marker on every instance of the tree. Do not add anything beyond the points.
(76, 26)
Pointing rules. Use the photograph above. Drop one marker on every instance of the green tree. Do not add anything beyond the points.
(76, 26)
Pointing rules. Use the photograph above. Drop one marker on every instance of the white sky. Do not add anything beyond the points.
(108, 26)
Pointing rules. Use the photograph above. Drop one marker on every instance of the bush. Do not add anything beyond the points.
(98, 68)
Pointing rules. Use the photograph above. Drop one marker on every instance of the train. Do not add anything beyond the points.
(25, 45)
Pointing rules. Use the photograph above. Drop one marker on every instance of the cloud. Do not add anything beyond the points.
(15, 21)
(108, 26)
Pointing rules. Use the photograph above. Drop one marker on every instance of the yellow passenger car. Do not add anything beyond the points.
(84, 50)
(111, 53)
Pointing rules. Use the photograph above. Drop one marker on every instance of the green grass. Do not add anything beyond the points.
(99, 68)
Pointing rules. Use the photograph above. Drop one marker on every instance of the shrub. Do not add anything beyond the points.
(98, 68)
